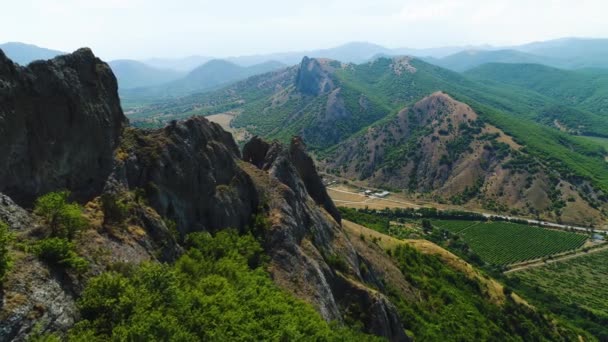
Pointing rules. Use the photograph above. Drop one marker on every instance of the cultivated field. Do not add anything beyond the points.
(503, 243)
(581, 281)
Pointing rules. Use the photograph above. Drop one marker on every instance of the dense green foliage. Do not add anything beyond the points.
(585, 89)
(5, 258)
(501, 243)
(63, 218)
(60, 252)
(217, 291)
(456, 307)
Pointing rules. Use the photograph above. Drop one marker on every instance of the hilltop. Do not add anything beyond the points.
(340, 109)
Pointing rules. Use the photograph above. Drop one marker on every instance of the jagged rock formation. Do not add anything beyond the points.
(262, 154)
(314, 76)
(63, 129)
(190, 174)
(59, 123)
(304, 242)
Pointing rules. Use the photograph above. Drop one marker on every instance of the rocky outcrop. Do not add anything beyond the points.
(310, 254)
(308, 172)
(16, 217)
(63, 128)
(189, 171)
(60, 121)
(314, 76)
(264, 155)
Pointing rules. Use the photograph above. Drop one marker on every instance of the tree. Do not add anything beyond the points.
(115, 210)
(426, 226)
(65, 219)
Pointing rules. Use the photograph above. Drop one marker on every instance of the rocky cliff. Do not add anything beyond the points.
(314, 76)
(62, 128)
(60, 121)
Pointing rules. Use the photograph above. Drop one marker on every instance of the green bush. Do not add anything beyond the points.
(60, 252)
(5, 259)
(115, 209)
(212, 293)
(65, 219)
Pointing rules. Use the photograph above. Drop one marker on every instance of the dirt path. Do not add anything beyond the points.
(557, 259)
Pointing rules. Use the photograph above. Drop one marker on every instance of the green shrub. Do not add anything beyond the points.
(212, 293)
(115, 209)
(5, 259)
(60, 252)
(336, 262)
(65, 219)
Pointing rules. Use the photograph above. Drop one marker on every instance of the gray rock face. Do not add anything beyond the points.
(60, 121)
(190, 173)
(264, 156)
(314, 77)
(16, 217)
(303, 238)
(41, 301)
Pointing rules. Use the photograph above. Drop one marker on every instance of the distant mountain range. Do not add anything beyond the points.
(212, 74)
(25, 53)
(183, 76)
(135, 74)
(568, 53)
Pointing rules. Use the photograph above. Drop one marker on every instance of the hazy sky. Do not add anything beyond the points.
(172, 28)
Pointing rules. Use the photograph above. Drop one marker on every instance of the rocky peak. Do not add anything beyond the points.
(308, 172)
(314, 76)
(60, 121)
(190, 173)
(266, 155)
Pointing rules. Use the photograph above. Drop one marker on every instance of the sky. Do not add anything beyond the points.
(142, 29)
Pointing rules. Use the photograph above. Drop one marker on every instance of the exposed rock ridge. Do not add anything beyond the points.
(63, 128)
(314, 76)
(263, 155)
(190, 173)
(60, 121)
(302, 239)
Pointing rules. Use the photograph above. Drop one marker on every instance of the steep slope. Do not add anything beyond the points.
(26, 53)
(134, 74)
(442, 148)
(42, 101)
(189, 177)
(189, 173)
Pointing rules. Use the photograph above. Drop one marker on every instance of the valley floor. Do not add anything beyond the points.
(353, 197)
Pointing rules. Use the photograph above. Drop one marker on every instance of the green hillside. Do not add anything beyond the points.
(469, 59)
(368, 94)
(586, 89)
(211, 75)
